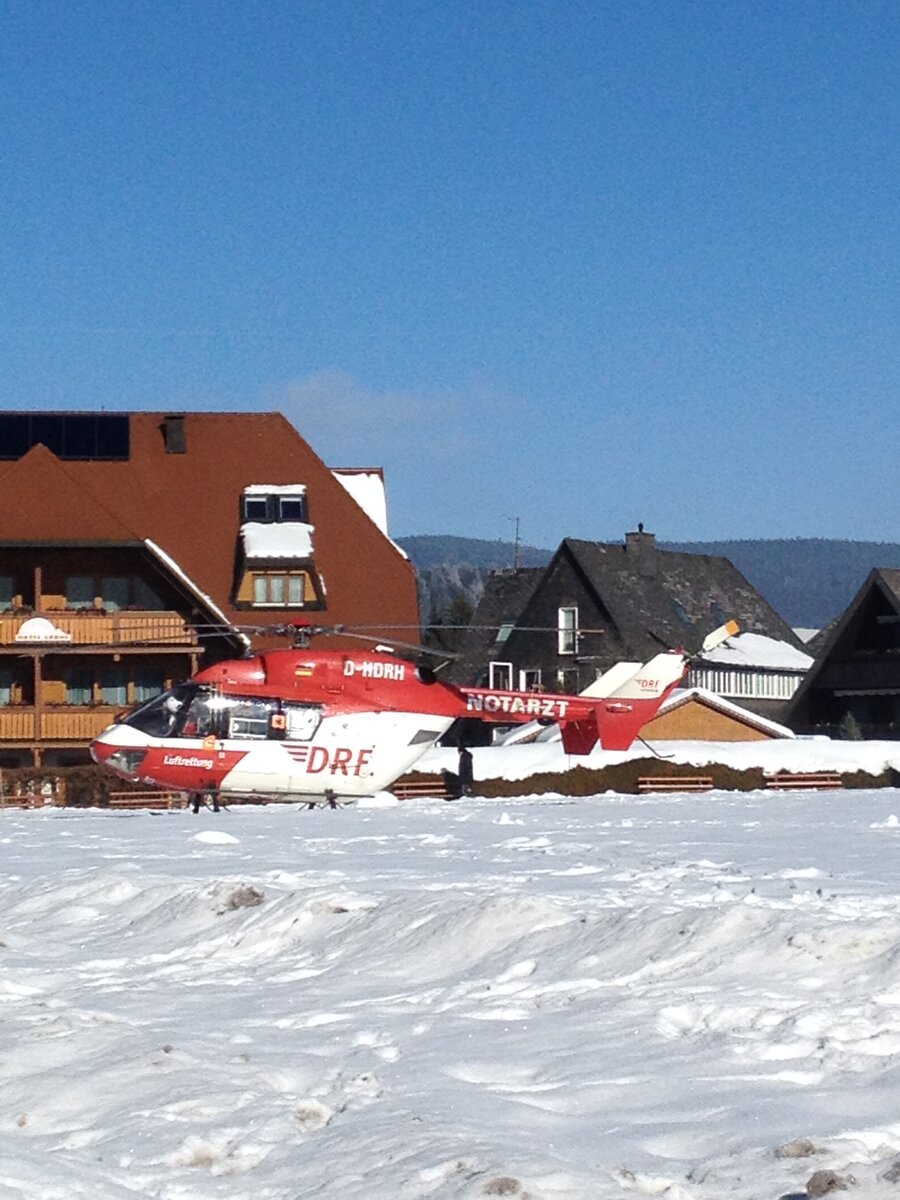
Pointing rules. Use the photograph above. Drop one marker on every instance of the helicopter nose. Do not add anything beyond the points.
(113, 738)
(100, 751)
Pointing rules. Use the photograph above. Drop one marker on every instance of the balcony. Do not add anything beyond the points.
(860, 675)
(63, 724)
(126, 628)
(16, 724)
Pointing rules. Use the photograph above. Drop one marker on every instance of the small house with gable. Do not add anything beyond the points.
(596, 603)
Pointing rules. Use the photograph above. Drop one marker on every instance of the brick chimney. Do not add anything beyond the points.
(641, 550)
(173, 433)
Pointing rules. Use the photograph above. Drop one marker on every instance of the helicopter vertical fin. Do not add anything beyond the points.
(624, 713)
(607, 683)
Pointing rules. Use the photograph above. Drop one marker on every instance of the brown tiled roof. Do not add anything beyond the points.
(189, 504)
(44, 500)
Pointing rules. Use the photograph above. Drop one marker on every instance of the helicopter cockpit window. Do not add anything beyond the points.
(302, 721)
(161, 716)
(201, 716)
(191, 711)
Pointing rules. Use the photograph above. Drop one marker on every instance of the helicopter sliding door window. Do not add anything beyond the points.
(567, 630)
(500, 676)
(250, 718)
(302, 720)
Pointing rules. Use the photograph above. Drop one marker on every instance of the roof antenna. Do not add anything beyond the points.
(516, 550)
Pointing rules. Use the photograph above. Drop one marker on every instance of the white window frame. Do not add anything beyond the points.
(567, 629)
(497, 670)
(283, 501)
(530, 679)
(271, 582)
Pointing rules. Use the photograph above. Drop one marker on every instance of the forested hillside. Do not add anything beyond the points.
(809, 581)
(450, 568)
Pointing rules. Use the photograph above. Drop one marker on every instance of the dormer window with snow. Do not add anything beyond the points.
(270, 504)
(277, 568)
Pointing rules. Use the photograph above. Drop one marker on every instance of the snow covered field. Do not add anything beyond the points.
(551, 998)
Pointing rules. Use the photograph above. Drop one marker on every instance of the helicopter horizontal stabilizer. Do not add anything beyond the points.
(579, 737)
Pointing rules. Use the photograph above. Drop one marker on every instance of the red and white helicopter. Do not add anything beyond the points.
(335, 725)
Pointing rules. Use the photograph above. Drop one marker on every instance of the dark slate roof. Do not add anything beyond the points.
(504, 597)
(667, 598)
(887, 579)
(890, 580)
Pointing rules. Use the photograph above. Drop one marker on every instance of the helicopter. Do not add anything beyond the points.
(330, 725)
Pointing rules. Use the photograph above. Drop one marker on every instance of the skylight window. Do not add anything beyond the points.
(291, 508)
(256, 508)
(682, 613)
(275, 504)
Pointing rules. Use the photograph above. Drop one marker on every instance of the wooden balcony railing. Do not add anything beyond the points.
(75, 724)
(107, 629)
(17, 724)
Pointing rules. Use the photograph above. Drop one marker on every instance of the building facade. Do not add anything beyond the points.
(134, 546)
(596, 604)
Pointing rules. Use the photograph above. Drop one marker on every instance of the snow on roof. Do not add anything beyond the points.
(756, 650)
(367, 489)
(275, 489)
(192, 587)
(286, 539)
(804, 634)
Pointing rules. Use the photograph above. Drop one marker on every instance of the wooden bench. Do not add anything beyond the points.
(435, 789)
(675, 783)
(148, 799)
(796, 780)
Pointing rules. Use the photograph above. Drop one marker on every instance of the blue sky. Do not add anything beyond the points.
(585, 264)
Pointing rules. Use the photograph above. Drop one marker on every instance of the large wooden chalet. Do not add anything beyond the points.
(597, 603)
(126, 538)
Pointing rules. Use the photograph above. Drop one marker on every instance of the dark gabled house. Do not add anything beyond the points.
(505, 596)
(599, 603)
(853, 687)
